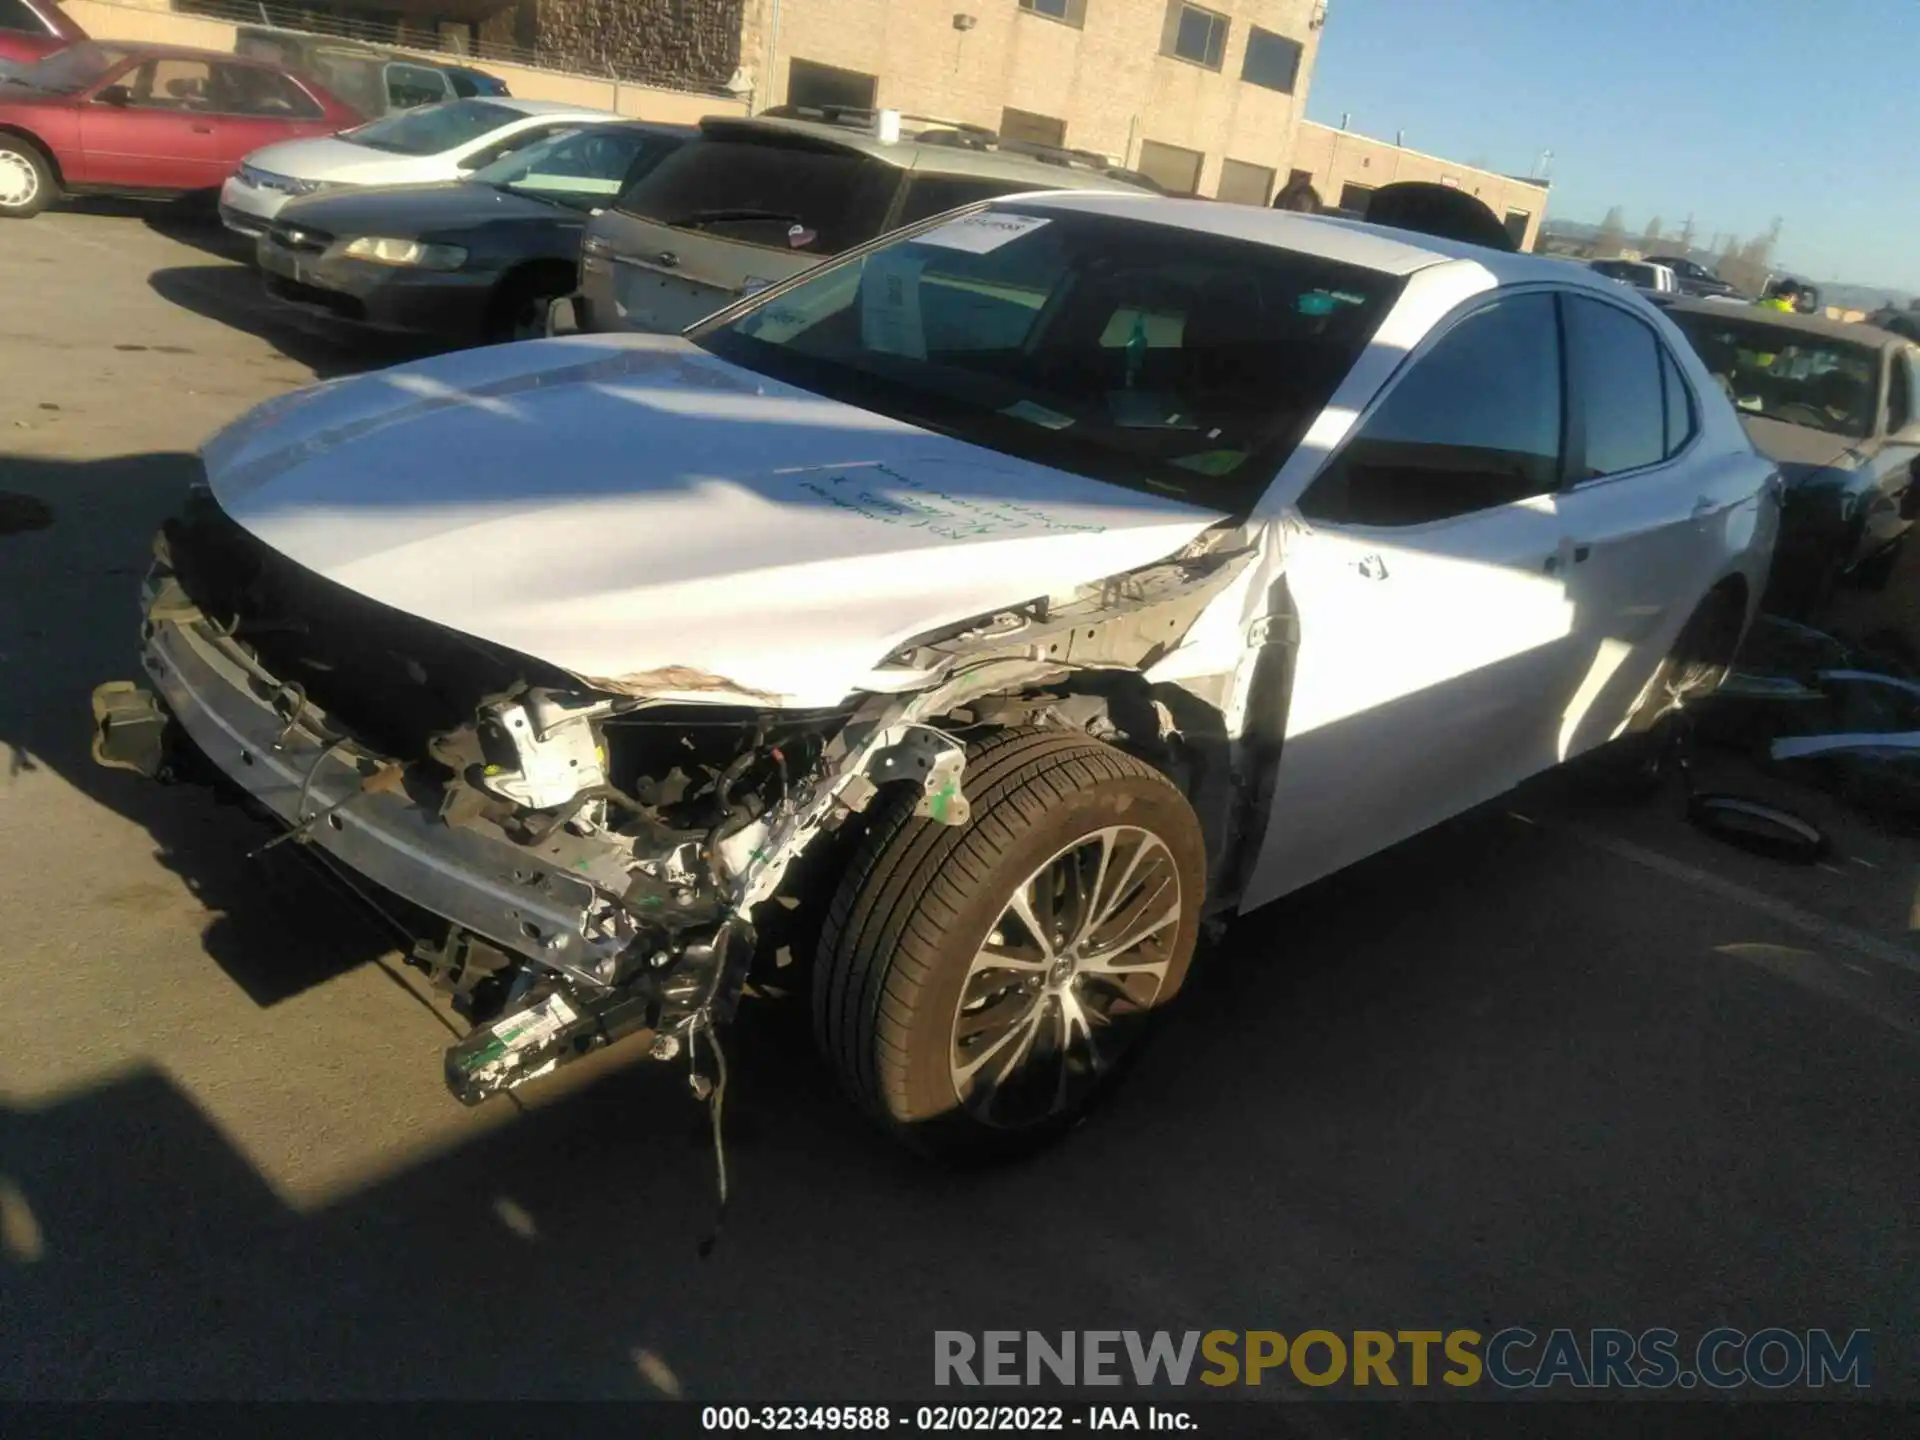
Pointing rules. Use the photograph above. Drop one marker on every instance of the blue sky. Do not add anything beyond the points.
(1735, 110)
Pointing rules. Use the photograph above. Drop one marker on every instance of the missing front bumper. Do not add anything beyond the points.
(590, 971)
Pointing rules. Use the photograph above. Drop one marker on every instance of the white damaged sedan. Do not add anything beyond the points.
(972, 618)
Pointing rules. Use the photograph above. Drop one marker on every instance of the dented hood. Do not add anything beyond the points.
(655, 520)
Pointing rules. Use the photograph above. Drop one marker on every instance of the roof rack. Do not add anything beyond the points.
(864, 117)
(964, 136)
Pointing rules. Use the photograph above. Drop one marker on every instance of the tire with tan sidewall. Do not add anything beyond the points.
(917, 901)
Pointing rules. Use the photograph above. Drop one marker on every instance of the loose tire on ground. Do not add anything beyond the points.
(911, 976)
(27, 185)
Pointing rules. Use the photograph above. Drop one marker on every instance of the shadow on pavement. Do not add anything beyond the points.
(1364, 1117)
(69, 620)
(232, 294)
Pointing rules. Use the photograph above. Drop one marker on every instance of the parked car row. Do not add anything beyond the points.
(79, 116)
(145, 120)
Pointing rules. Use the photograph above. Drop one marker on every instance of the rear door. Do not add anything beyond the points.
(733, 210)
(1640, 511)
(1423, 578)
(162, 136)
(1890, 507)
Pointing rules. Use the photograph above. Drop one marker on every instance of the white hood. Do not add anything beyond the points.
(343, 162)
(642, 514)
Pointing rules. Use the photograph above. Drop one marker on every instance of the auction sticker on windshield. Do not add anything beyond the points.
(983, 233)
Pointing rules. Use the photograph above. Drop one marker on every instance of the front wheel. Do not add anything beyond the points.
(519, 309)
(26, 180)
(979, 988)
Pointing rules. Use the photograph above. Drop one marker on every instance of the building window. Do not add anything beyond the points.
(1517, 227)
(810, 83)
(1034, 129)
(1067, 12)
(1354, 198)
(1244, 184)
(1273, 61)
(1174, 170)
(1194, 34)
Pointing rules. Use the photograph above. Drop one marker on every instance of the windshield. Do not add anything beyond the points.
(1154, 357)
(1787, 375)
(434, 129)
(69, 71)
(585, 168)
(787, 195)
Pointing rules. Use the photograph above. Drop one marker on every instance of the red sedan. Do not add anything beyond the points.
(154, 120)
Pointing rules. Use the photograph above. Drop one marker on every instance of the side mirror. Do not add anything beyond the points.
(118, 96)
(563, 317)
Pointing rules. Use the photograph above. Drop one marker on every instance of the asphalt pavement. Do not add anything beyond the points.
(1559, 1063)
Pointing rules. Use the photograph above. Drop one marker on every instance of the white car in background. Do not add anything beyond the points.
(974, 615)
(413, 147)
(1640, 274)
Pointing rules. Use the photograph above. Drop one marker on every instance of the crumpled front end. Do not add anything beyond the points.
(596, 856)
(602, 857)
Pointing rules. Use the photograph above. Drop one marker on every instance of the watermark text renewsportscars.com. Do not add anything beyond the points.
(1515, 1358)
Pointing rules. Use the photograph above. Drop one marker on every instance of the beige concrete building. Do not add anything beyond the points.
(1344, 168)
(1205, 98)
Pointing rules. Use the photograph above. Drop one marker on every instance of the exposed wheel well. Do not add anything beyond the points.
(530, 272)
(40, 147)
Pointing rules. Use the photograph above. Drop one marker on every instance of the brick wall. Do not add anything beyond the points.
(693, 42)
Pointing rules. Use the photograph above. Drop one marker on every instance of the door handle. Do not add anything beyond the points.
(666, 260)
(202, 129)
(1704, 507)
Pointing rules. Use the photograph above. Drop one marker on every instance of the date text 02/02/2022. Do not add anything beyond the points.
(937, 1419)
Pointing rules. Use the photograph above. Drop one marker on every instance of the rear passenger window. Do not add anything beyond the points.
(1613, 365)
(1679, 402)
(816, 199)
(1475, 424)
(249, 90)
(930, 195)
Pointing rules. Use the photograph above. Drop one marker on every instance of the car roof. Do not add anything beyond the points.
(171, 52)
(1857, 331)
(1371, 247)
(652, 127)
(540, 107)
(913, 151)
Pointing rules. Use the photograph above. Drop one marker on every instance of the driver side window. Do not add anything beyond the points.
(1475, 424)
(171, 83)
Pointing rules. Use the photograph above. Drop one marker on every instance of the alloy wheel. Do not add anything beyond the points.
(1056, 991)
